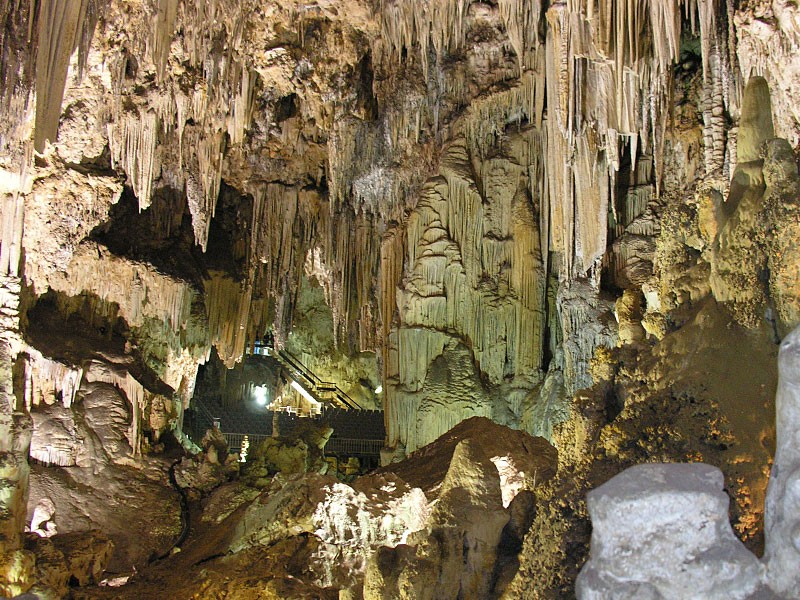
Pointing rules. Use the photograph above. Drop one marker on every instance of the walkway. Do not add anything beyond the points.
(325, 392)
(359, 433)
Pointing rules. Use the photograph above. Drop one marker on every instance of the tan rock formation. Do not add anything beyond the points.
(476, 190)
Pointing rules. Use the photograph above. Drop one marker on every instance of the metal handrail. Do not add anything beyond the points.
(343, 446)
(315, 382)
(350, 446)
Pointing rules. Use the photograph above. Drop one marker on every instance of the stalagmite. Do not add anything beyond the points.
(134, 391)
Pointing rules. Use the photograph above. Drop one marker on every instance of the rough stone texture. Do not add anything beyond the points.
(634, 415)
(521, 461)
(781, 198)
(73, 559)
(738, 256)
(475, 185)
(210, 468)
(782, 527)
(131, 501)
(310, 535)
(662, 531)
(455, 556)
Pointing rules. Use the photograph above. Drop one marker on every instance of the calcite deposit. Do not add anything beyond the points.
(662, 530)
(576, 219)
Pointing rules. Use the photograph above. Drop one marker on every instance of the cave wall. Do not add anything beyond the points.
(488, 195)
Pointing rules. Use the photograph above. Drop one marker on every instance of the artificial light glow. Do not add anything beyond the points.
(316, 407)
(260, 394)
(303, 391)
(379, 389)
(244, 448)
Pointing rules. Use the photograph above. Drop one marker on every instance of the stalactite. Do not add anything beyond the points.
(424, 23)
(352, 240)
(591, 202)
(132, 389)
(203, 202)
(227, 304)
(133, 139)
(391, 269)
(486, 119)
(242, 105)
(721, 83)
(48, 381)
(474, 270)
(11, 222)
(138, 290)
(60, 23)
(522, 24)
(163, 29)
(282, 235)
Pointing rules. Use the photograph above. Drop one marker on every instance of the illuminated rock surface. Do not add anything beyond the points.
(662, 530)
(367, 535)
(782, 527)
(576, 219)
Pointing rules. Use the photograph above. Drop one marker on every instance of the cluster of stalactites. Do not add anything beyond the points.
(219, 103)
(605, 70)
(46, 380)
(219, 107)
(289, 225)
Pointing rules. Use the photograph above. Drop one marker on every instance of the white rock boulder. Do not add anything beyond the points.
(782, 511)
(662, 531)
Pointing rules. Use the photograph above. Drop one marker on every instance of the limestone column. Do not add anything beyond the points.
(16, 565)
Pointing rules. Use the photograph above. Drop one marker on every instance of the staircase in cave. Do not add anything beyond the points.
(325, 392)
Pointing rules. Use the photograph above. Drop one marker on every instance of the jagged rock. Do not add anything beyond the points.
(662, 531)
(211, 467)
(781, 200)
(17, 570)
(75, 559)
(104, 487)
(301, 452)
(521, 460)
(454, 170)
(349, 523)
(456, 554)
(628, 309)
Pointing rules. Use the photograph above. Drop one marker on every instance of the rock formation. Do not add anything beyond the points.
(567, 217)
(781, 527)
(662, 530)
(309, 535)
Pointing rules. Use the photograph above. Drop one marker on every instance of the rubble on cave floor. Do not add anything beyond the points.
(310, 535)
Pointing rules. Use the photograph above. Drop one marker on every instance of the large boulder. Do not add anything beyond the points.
(782, 513)
(456, 553)
(661, 531)
(522, 461)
